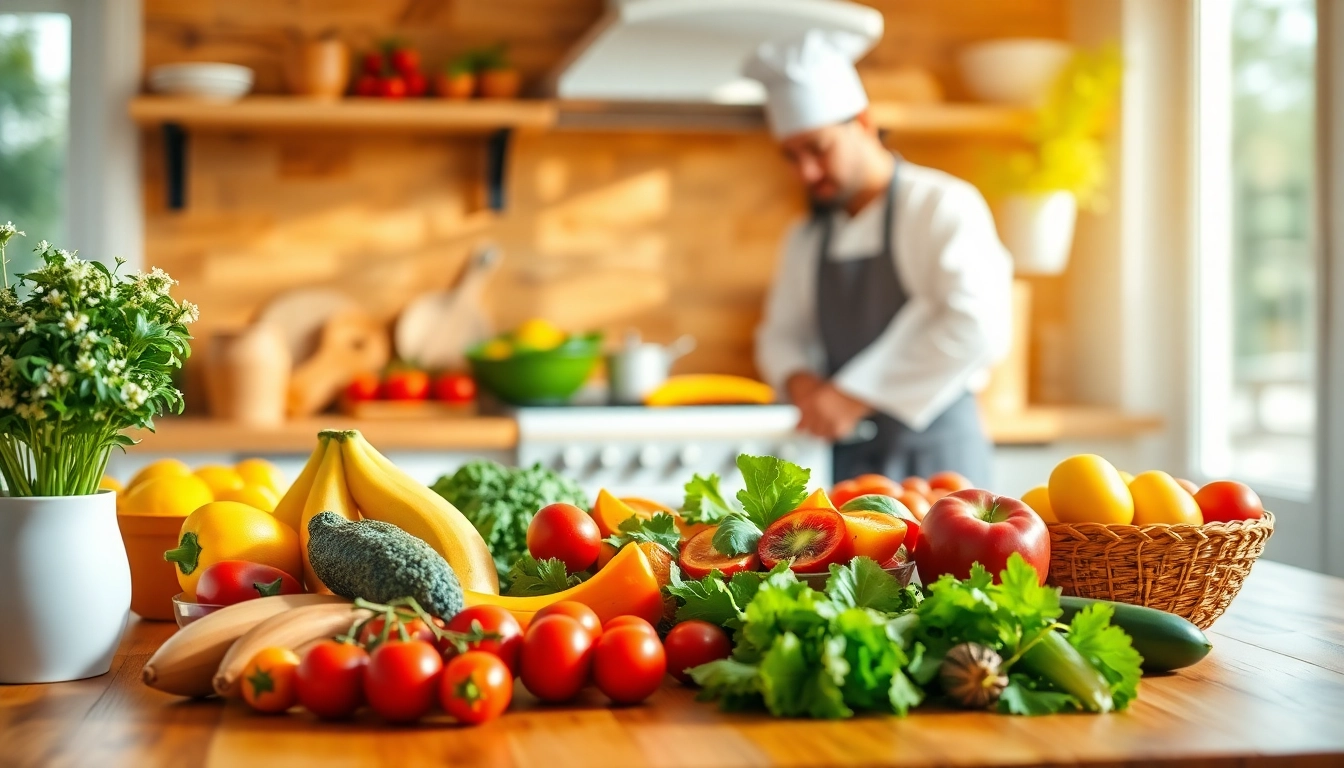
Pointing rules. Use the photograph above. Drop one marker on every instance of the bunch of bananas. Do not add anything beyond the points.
(347, 476)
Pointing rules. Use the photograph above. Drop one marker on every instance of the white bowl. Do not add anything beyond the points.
(1017, 71)
(224, 82)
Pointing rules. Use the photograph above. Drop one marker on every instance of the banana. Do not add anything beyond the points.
(186, 662)
(289, 510)
(291, 630)
(329, 493)
(384, 492)
(709, 389)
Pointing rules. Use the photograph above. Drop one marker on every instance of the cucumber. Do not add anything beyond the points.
(1166, 641)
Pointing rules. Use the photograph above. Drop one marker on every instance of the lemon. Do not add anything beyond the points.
(111, 484)
(1087, 489)
(1158, 498)
(259, 496)
(539, 335)
(261, 472)
(219, 477)
(497, 349)
(160, 468)
(170, 496)
(1127, 477)
(1038, 499)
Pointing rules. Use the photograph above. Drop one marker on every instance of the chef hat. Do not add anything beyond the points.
(810, 82)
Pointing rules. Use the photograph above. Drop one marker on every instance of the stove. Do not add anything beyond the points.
(652, 452)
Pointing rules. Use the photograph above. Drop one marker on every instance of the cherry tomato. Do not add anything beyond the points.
(1224, 501)
(629, 621)
(366, 85)
(363, 387)
(373, 63)
(566, 532)
(392, 87)
(556, 658)
(402, 679)
(331, 679)
(455, 388)
(692, 643)
(405, 60)
(372, 634)
(490, 619)
(579, 612)
(628, 664)
(475, 687)
(233, 581)
(416, 83)
(269, 680)
(406, 385)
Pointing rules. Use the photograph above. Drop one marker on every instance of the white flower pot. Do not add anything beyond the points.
(65, 587)
(1038, 230)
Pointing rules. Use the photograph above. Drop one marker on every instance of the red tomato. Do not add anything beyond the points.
(628, 664)
(949, 481)
(330, 679)
(692, 643)
(392, 87)
(1224, 501)
(406, 385)
(489, 620)
(233, 581)
(556, 658)
(416, 84)
(699, 557)
(455, 388)
(405, 60)
(566, 532)
(812, 539)
(917, 484)
(372, 634)
(373, 63)
(364, 387)
(579, 612)
(629, 621)
(475, 687)
(366, 85)
(975, 526)
(402, 679)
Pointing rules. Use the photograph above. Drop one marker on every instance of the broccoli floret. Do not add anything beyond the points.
(381, 562)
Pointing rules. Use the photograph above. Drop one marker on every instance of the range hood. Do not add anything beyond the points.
(691, 51)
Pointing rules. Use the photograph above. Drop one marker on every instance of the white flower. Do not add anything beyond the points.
(92, 301)
(74, 323)
(133, 394)
(6, 364)
(43, 245)
(41, 393)
(7, 399)
(190, 313)
(85, 364)
(116, 365)
(8, 228)
(100, 415)
(55, 298)
(59, 376)
(33, 411)
(27, 324)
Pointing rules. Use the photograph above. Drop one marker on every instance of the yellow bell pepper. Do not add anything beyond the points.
(228, 530)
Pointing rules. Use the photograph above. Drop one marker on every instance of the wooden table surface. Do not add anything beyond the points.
(1271, 693)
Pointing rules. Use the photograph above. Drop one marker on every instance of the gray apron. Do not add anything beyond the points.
(856, 301)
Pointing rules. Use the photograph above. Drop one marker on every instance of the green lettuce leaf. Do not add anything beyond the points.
(774, 488)
(661, 529)
(714, 599)
(737, 535)
(704, 502)
(1109, 649)
(861, 583)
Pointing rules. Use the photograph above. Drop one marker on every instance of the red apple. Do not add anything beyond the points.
(975, 526)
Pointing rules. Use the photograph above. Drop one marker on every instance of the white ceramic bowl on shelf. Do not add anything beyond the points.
(217, 82)
(1014, 71)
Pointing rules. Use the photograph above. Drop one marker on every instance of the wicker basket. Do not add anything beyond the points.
(1189, 570)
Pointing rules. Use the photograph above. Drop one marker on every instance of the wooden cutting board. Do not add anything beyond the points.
(436, 329)
(351, 342)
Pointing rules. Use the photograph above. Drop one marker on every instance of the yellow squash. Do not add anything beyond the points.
(227, 530)
(627, 586)
(710, 389)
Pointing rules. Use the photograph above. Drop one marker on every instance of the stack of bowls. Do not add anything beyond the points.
(216, 82)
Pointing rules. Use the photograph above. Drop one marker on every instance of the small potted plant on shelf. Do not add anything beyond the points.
(1037, 190)
(85, 353)
(496, 78)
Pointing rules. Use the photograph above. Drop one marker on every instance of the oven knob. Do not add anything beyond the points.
(610, 457)
(649, 457)
(571, 458)
(689, 456)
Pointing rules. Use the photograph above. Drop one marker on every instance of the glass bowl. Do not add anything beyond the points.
(186, 611)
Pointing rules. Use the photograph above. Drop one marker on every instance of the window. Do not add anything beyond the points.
(1257, 272)
(34, 120)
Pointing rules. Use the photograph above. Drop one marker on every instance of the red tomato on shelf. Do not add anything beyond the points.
(406, 385)
(405, 60)
(233, 581)
(367, 85)
(373, 63)
(455, 388)
(416, 84)
(363, 387)
(392, 87)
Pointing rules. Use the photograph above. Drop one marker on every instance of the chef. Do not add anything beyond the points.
(893, 297)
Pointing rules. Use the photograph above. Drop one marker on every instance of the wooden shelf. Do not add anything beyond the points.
(1040, 424)
(952, 119)
(202, 435)
(278, 113)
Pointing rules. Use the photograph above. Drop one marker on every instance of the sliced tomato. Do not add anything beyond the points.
(811, 539)
(699, 557)
(874, 534)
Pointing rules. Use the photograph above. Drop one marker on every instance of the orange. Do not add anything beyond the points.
(874, 534)
(1038, 499)
(167, 496)
(160, 468)
(261, 472)
(219, 477)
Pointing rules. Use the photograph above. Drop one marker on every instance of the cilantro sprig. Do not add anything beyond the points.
(661, 529)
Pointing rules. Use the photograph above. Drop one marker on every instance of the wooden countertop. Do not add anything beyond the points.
(1271, 693)
(1035, 425)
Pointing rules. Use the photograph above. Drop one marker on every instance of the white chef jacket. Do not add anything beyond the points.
(957, 319)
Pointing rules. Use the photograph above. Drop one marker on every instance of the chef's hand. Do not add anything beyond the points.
(831, 414)
(802, 385)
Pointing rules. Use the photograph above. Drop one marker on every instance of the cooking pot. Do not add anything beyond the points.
(638, 368)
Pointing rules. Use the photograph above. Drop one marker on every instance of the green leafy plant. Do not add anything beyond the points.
(774, 487)
(1067, 151)
(85, 353)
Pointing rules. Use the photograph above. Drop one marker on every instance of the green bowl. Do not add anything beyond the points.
(549, 377)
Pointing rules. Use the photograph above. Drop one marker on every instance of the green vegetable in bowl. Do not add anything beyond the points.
(500, 502)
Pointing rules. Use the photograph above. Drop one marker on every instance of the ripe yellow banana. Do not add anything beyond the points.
(329, 493)
(384, 492)
(289, 510)
(710, 389)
